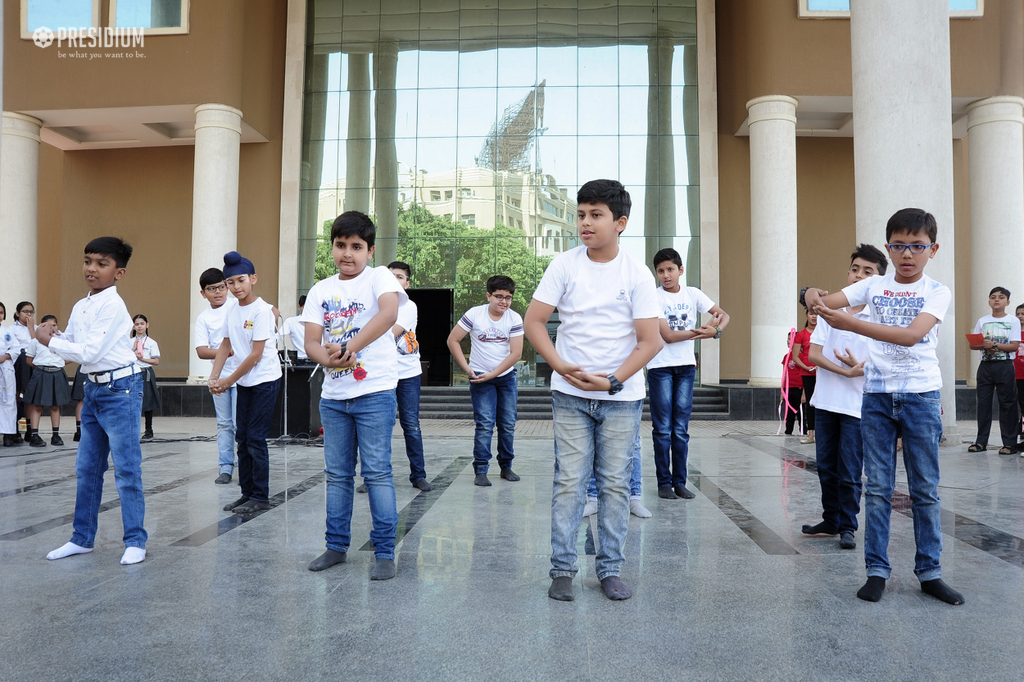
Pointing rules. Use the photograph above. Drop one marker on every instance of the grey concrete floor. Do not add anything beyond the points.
(726, 587)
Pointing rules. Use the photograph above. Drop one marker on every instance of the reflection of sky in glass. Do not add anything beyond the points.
(55, 14)
(844, 5)
(135, 13)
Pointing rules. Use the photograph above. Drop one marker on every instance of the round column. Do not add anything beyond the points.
(903, 139)
(995, 130)
(773, 236)
(214, 207)
(19, 207)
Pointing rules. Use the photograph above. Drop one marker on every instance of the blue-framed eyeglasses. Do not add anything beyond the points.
(914, 248)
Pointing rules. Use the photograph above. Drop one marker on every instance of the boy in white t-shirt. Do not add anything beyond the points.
(838, 393)
(496, 345)
(348, 322)
(1001, 332)
(249, 336)
(209, 332)
(608, 330)
(295, 331)
(901, 395)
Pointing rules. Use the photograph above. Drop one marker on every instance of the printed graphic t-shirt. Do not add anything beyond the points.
(247, 324)
(1001, 330)
(408, 346)
(343, 307)
(597, 304)
(891, 368)
(834, 392)
(490, 339)
(682, 310)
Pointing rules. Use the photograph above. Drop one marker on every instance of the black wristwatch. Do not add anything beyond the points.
(616, 385)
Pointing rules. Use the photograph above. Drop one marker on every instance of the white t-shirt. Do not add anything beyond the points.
(682, 310)
(247, 324)
(834, 392)
(343, 307)
(42, 356)
(150, 350)
(489, 337)
(211, 330)
(892, 368)
(1001, 330)
(407, 345)
(597, 304)
(296, 332)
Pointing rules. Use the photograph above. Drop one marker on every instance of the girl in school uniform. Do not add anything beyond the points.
(48, 387)
(147, 356)
(24, 331)
(8, 389)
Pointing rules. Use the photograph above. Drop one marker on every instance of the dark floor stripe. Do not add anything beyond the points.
(225, 525)
(755, 529)
(115, 503)
(421, 504)
(59, 454)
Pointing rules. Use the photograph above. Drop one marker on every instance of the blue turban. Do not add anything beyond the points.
(235, 264)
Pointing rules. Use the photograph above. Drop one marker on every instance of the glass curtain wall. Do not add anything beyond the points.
(465, 128)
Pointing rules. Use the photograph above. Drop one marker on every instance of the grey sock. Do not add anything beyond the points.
(326, 560)
(561, 589)
(615, 589)
(384, 569)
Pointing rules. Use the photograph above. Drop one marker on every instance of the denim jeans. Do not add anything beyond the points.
(840, 457)
(408, 395)
(918, 417)
(254, 412)
(671, 390)
(635, 482)
(224, 404)
(110, 426)
(591, 437)
(360, 427)
(494, 401)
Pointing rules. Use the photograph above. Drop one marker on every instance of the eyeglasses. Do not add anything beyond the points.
(216, 289)
(506, 299)
(914, 248)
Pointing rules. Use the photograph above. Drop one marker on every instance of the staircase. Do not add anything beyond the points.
(447, 402)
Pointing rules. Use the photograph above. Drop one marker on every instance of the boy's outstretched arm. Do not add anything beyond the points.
(901, 336)
(648, 343)
(536, 331)
(379, 324)
(818, 298)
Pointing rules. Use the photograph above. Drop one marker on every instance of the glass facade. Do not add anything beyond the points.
(465, 128)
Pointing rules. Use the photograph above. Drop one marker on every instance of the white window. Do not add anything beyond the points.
(448, 194)
(435, 195)
(469, 219)
(840, 9)
(156, 17)
(58, 14)
(465, 192)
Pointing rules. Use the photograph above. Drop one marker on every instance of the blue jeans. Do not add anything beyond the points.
(254, 412)
(110, 426)
(494, 401)
(671, 390)
(591, 437)
(408, 395)
(360, 427)
(840, 457)
(635, 482)
(918, 417)
(224, 404)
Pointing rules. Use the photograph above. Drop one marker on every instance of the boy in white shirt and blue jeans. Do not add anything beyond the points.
(608, 331)
(210, 331)
(97, 338)
(901, 395)
(496, 345)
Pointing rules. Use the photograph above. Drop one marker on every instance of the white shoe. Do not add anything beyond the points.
(591, 507)
(806, 440)
(638, 510)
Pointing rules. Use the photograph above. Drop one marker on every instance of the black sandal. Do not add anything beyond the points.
(976, 447)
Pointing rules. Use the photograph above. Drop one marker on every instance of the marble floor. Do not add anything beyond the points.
(726, 587)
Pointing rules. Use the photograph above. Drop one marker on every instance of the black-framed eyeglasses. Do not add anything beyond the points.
(216, 288)
(502, 298)
(914, 248)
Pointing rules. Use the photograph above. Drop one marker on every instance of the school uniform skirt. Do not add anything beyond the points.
(48, 387)
(78, 389)
(150, 394)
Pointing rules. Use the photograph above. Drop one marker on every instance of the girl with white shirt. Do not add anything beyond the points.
(48, 387)
(147, 356)
(8, 391)
(24, 331)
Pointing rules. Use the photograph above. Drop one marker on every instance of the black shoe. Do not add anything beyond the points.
(819, 529)
(508, 474)
(9, 440)
(422, 484)
(56, 440)
(223, 479)
(78, 435)
(682, 492)
(846, 540)
(148, 435)
(362, 488)
(36, 442)
(481, 480)
(230, 506)
(251, 507)
(666, 493)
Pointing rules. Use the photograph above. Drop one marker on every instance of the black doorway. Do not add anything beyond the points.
(435, 308)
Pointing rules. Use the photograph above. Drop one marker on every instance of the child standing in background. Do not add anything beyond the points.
(8, 390)
(147, 356)
(48, 387)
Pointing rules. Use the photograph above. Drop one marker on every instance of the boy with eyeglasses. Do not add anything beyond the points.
(496, 335)
(901, 395)
(209, 332)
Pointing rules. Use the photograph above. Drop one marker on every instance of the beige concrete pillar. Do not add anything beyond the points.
(773, 234)
(214, 207)
(19, 207)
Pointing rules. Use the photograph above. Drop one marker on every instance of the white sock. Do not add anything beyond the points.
(638, 510)
(133, 555)
(590, 508)
(70, 549)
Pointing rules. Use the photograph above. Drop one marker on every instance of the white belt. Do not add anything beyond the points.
(112, 375)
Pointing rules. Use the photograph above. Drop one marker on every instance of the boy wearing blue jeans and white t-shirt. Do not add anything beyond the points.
(901, 395)
(608, 331)
(496, 334)
(209, 333)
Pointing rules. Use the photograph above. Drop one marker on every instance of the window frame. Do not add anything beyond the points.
(161, 31)
(804, 13)
(28, 35)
